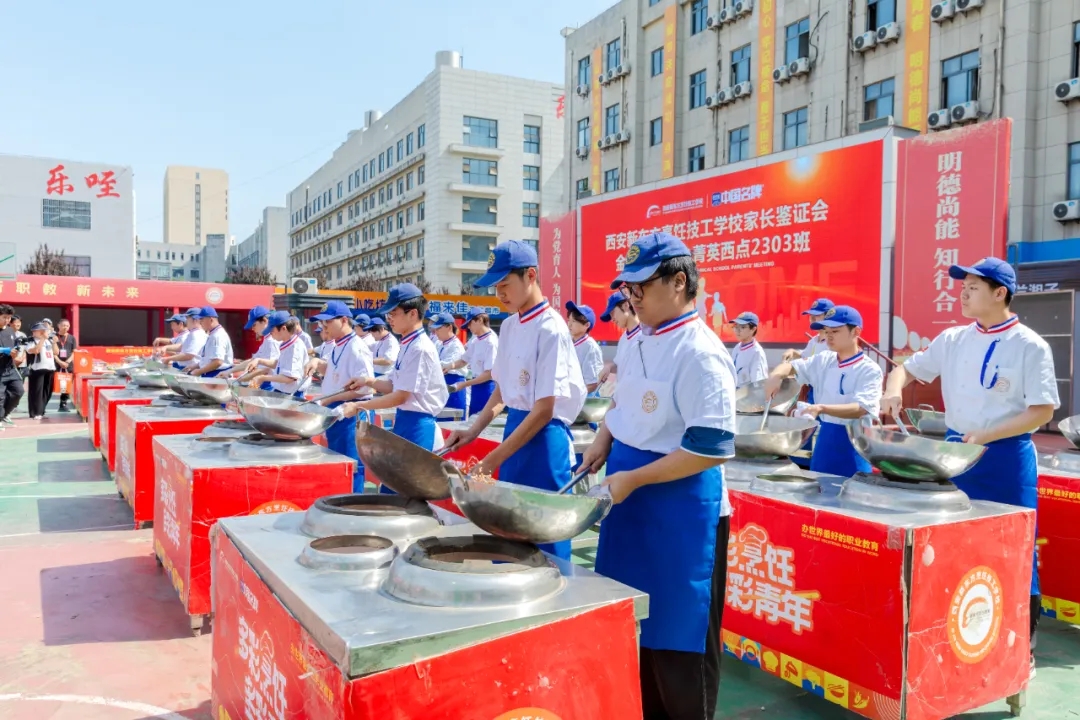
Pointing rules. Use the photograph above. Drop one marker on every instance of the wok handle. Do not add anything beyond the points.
(900, 424)
(574, 481)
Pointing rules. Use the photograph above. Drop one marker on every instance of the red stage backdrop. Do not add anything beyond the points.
(110, 292)
(558, 258)
(770, 239)
(951, 207)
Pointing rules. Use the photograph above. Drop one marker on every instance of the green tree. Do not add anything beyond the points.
(49, 262)
(249, 276)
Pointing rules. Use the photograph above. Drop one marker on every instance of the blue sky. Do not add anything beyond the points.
(264, 90)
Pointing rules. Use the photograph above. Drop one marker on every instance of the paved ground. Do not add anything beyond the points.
(91, 630)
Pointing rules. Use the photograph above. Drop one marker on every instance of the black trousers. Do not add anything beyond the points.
(11, 392)
(678, 685)
(40, 392)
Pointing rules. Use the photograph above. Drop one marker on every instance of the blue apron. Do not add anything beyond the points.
(341, 438)
(266, 386)
(480, 394)
(416, 427)
(215, 373)
(834, 454)
(178, 366)
(456, 400)
(543, 463)
(662, 540)
(1008, 473)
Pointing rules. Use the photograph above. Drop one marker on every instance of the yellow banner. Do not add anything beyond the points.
(767, 46)
(596, 121)
(671, 19)
(916, 57)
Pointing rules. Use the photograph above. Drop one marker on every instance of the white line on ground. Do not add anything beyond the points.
(155, 712)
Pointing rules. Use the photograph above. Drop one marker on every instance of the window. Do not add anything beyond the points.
(1074, 171)
(338, 272)
(365, 205)
(389, 192)
(697, 89)
(178, 274)
(194, 274)
(365, 173)
(699, 14)
(420, 211)
(583, 188)
(400, 150)
(339, 244)
(476, 248)
(371, 169)
(656, 132)
(382, 228)
(389, 157)
(408, 216)
(532, 139)
(1076, 50)
(878, 100)
(739, 144)
(409, 144)
(613, 54)
(611, 119)
(339, 188)
(880, 12)
(740, 65)
(164, 272)
(421, 135)
(420, 174)
(695, 159)
(382, 195)
(365, 235)
(69, 214)
(656, 60)
(797, 40)
(401, 186)
(530, 215)
(584, 71)
(531, 177)
(339, 217)
(796, 129)
(584, 133)
(481, 132)
(611, 180)
(409, 181)
(482, 211)
(653, 2)
(142, 271)
(400, 219)
(960, 79)
(382, 166)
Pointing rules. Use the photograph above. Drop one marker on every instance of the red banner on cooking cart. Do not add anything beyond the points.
(1059, 545)
(769, 239)
(558, 259)
(109, 400)
(952, 195)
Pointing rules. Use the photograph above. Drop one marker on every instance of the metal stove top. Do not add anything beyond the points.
(583, 436)
(258, 447)
(395, 517)
(228, 429)
(355, 619)
(740, 472)
(1063, 462)
(197, 451)
(183, 410)
(879, 492)
(348, 552)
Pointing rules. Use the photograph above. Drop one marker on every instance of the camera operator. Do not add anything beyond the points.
(11, 382)
(41, 356)
(65, 351)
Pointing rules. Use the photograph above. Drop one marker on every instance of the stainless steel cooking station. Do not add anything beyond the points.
(221, 452)
(765, 451)
(1065, 462)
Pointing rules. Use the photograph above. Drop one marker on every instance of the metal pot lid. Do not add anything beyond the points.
(866, 491)
(395, 517)
(348, 552)
(472, 571)
(262, 449)
(786, 483)
(1066, 461)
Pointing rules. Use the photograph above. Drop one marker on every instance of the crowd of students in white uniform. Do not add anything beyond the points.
(672, 426)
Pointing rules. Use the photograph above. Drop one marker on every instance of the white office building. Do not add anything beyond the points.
(465, 160)
(267, 246)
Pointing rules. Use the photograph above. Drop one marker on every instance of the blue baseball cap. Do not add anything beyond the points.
(616, 299)
(334, 309)
(507, 256)
(361, 318)
(820, 307)
(746, 318)
(256, 314)
(443, 319)
(474, 312)
(193, 312)
(399, 294)
(991, 268)
(645, 255)
(39, 326)
(837, 317)
(207, 312)
(376, 321)
(583, 310)
(177, 318)
(276, 319)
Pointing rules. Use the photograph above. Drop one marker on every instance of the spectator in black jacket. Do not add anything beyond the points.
(11, 382)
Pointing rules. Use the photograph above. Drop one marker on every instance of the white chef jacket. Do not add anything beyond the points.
(193, 344)
(347, 358)
(590, 359)
(179, 337)
(324, 350)
(988, 375)
(857, 379)
(817, 344)
(290, 363)
(451, 351)
(626, 340)
(539, 362)
(387, 348)
(673, 378)
(369, 341)
(268, 350)
(218, 346)
(750, 363)
(480, 353)
(306, 339)
(417, 371)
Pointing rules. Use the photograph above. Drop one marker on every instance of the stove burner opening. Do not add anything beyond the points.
(350, 544)
(484, 554)
(264, 440)
(214, 440)
(232, 425)
(885, 480)
(372, 505)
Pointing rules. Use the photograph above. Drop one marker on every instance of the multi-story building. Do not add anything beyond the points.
(466, 159)
(196, 205)
(663, 88)
(172, 261)
(267, 247)
(85, 209)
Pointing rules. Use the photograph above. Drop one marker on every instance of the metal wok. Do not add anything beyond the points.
(927, 420)
(750, 398)
(404, 467)
(1070, 428)
(285, 418)
(912, 457)
(172, 381)
(145, 379)
(782, 435)
(594, 410)
(242, 391)
(124, 371)
(208, 390)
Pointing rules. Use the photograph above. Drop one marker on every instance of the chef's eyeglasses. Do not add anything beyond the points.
(637, 290)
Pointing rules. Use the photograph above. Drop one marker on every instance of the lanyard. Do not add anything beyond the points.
(986, 364)
(335, 356)
(405, 343)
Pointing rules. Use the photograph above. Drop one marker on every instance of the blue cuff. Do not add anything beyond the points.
(5, 351)
(709, 442)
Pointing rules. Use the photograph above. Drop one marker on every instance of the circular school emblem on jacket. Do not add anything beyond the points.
(649, 402)
(975, 615)
(1002, 385)
(491, 259)
(632, 253)
(523, 378)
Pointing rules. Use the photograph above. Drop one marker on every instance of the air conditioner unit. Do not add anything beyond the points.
(938, 120)
(609, 140)
(943, 10)
(600, 144)
(968, 5)
(726, 15)
(865, 41)
(710, 101)
(888, 32)
(1067, 210)
(582, 90)
(799, 67)
(623, 69)
(781, 74)
(609, 75)
(623, 136)
(744, 7)
(305, 286)
(964, 111)
(582, 152)
(1067, 90)
(741, 90)
(715, 21)
(724, 96)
